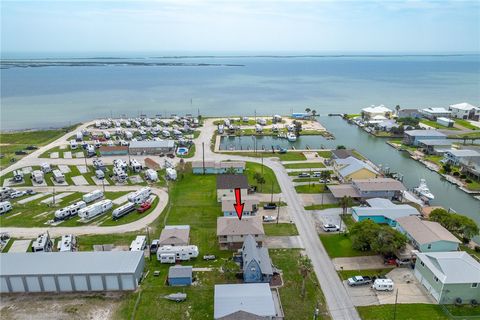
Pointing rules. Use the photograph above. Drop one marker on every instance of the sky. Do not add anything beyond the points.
(254, 26)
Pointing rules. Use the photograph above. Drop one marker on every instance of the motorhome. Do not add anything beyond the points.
(261, 121)
(58, 176)
(79, 136)
(183, 253)
(143, 134)
(42, 243)
(245, 119)
(98, 164)
(220, 129)
(45, 167)
(92, 196)
(123, 210)
(383, 285)
(151, 175)
(139, 244)
(139, 196)
(128, 123)
(291, 127)
(97, 144)
(277, 118)
(128, 135)
(120, 174)
(99, 174)
(275, 128)
(95, 209)
(226, 122)
(91, 151)
(5, 206)
(5, 192)
(69, 211)
(18, 175)
(68, 243)
(135, 165)
(106, 135)
(37, 176)
(73, 144)
(258, 128)
(121, 164)
(171, 174)
(166, 133)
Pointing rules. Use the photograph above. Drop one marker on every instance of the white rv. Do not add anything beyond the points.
(177, 133)
(98, 164)
(121, 164)
(139, 244)
(261, 121)
(91, 151)
(135, 165)
(18, 175)
(5, 192)
(95, 209)
(277, 118)
(226, 122)
(79, 136)
(67, 243)
(183, 253)
(106, 135)
(171, 174)
(220, 129)
(383, 285)
(258, 128)
(58, 176)
(92, 196)
(37, 176)
(99, 174)
(139, 196)
(73, 144)
(45, 167)
(42, 243)
(5, 206)
(151, 175)
(120, 174)
(97, 143)
(69, 211)
(128, 135)
(166, 133)
(123, 210)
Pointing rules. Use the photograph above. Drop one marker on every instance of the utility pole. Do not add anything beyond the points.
(53, 199)
(203, 157)
(395, 308)
(278, 209)
(148, 241)
(103, 184)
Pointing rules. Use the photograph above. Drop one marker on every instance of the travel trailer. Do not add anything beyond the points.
(58, 176)
(37, 176)
(258, 128)
(106, 135)
(135, 165)
(42, 243)
(128, 135)
(139, 244)
(69, 211)
(95, 209)
(139, 196)
(183, 253)
(277, 118)
(45, 167)
(5, 206)
(98, 164)
(91, 151)
(151, 175)
(18, 175)
(5, 192)
(92, 196)
(220, 129)
(79, 136)
(120, 174)
(261, 121)
(383, 285)
(68, 243)
(73, 144)
(171, 174)
(97, 144)
(166, 133)
(123, 210)
(99, 174)
(121, 164)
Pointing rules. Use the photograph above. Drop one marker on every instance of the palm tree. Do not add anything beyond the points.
(397, 108)
(345, 203)
(314, 113)
(305, 268)
(307, 110)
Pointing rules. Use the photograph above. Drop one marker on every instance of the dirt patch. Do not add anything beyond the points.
(100, 306)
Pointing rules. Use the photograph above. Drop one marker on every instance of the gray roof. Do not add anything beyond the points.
(342, 153)
(386, 208)
(232, 226)
(350, 165)
(452, 267)
(254, 298)
(424, 232)
(46, 263)
(464, 153)
(250, 251)
(228, 203)
(180, 272)
(343, 190)
(436, 142)
(219, 165)
(152, 144)
(425, 133)
(378, 184)
(232, 181)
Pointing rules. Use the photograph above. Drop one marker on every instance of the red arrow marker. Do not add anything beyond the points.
(238, 205)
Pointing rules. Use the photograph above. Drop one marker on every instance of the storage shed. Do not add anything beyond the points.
(180, 276)
(71, 271)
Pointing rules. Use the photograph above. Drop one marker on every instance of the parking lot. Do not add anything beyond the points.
(409, 291)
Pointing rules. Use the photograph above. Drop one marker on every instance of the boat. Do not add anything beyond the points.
(177, 297)
(423, 191)
(291, 137)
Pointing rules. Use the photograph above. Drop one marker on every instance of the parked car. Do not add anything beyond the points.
(209, 257)
(330, 227)
(171, 155)
(324, 180)
(304, 175)
(144, 207)
(269, 218)
(270, 206)
(16, 194)
(359, 281)
(316, 174)
(30, 191)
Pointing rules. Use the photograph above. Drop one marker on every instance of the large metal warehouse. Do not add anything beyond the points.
(71, 271)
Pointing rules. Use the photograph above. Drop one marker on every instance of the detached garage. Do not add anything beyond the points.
(71, 271)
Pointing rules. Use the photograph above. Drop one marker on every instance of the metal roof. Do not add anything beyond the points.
(180, 272)
(464, 153)
(424, 232)
(378, 184)
(424, 133)
(452, 267)
(386, 208)
(232, 181)
(464, 106)
(260, 254)
(435, 142)
(152, 144)
(219, 165)
(350, 165)
(343, 190)
(255, 298)
(230, 226)
(45, 263)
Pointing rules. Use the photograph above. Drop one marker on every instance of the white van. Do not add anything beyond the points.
(383, 285)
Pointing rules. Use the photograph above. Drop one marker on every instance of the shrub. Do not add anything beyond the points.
(456, 173)
(462, 176)
(477, 248)
(468, 181)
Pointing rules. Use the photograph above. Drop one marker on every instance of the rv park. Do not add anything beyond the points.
(138, 218)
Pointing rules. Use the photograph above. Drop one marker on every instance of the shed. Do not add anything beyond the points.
(180, 276)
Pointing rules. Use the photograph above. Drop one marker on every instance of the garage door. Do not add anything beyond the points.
(49, 284)
(33, 284)
(80, 283)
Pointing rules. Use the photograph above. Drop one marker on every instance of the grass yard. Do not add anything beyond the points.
(314, 188)
(289, 156)
(305, 179)
(304, 165)
(322, 206)
(340, 245)
(268, 174)
(281, 229)
(474, 185)
(436, 125)
(468, 135)
(345, 274)
(435, 159)
(325, 154)
(190, 154)
(466, 124)
(416, 311)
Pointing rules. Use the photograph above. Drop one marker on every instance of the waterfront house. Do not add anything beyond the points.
(427, 236)
(218, 167)
(446, 122)
(435, 146)
(434, 113)
(231, 231)
(175, 235)
(465, 111)
(342, 153)
(460, 156)
(257, 266)
(151, 147)
(409, 113)
(250, 206)
(227, 183)
(113, 150)
(383, 211)
(387, 188)
(246, 301)
(375, 111)
(450, 277)
(412, 137)
(353, 168)
(180, 276)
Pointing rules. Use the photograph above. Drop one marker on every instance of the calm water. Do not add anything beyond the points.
(33, 97)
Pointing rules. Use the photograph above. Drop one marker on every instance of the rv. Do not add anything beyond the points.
(37, 176)
(166, 258)
(120, 174)
(220, 129)
(274, 128)
(5, 192)
(139, 196)
(151, 175)
(261, 121)
(171, 174)
(166, 133)
(128, 135)
(383, 285)
(226, 122)
(58, 176)
(18, 175)
(291, 127)
(45, 167)
(177, 133)
(91, 151)
(277, 118)
(135, 165)
(97, 144)
(67, 243)
(5, 206)
(106, 134)
(98, 164)
(139, 244)
(42, 243)
(92, 196)
(183, 253)
(121, 164)
(110, 143)
(73, 144)
(128, 123)
(258, 128)
(123, 210)
(69, 211)
(79, 136)
(245, 119)
(95, 209)
(99, 174)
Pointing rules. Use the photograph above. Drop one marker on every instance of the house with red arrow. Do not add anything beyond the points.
(231, 231)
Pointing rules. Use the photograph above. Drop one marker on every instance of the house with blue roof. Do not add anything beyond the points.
(257, 266)
(383, 211)
(353, 168)
(413, 137)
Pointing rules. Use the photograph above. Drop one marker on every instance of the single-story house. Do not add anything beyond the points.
(387, 125)
(227, 183)
(387, 188)
(458, 157)
(409, 113)
(257, 266)
(250, 206)
(381, 110)
(342, 153)
(383, 211)
(353, 168)
(231, 231)
(175, 235)
(446, 122)
(434, 113)
(218, 167)
(412, 137)
(151, 147)
(245, 301)
(113, 150)
(450, 277)
(427, 236)
(435, 146)
(465, 111)
(180, 276)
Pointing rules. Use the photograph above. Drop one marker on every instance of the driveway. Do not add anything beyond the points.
(283, 242)
(316, 198)
(328, 216)
(359, 263)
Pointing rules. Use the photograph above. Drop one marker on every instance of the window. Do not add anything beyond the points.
(435, 278)
(423, 264)
(429, 246)
(475, 285)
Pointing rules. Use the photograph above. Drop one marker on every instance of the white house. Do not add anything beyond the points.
(434, 113)
(465, 110)
(372, 111)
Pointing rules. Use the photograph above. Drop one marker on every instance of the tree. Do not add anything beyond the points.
(305, 267)
(231, 170)
(298, 127)
(388, 241)
(259, 178)
(447, 167)
(363, 234)
(314, 113)
(339, 147)
(397, 108)
(459, 225)
(345, 203)
(307, 110)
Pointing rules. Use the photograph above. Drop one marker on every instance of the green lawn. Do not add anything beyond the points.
(322, 206)
(474, 185)
(289, 156)
(466, 124)
(436, 125)
(325, 154)
(435, 159)
(190, 154)
(314, 188)
(340, 245)
(417, 311)
(268, 174)
(281, 229)
(469, 135)
(305, 165)
(345, 274)
(305, 179)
